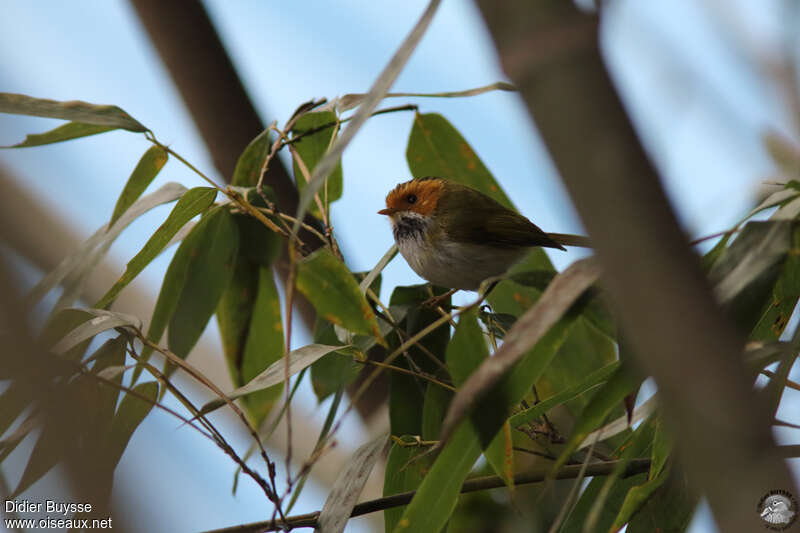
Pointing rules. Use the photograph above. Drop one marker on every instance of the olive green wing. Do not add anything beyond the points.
(470, 216)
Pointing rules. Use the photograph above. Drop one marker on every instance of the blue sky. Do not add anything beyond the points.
(683, 68)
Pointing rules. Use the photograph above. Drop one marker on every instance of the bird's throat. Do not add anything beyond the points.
(409, 227)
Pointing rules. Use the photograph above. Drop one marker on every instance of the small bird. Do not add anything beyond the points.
(456, 237)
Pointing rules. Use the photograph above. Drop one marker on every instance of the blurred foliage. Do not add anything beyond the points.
(542, 415)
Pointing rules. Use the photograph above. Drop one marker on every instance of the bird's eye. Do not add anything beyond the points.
(411, 198)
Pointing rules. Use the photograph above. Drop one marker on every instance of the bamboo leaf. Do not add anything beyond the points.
(311, 148)
(82, 260)
(208, 273)
(264, 345)
(436, 148)
(348, 486)
(191, 204)
(298, 360)
(406, 467)
(131, 412)
(66, 132)
(248, 166)
(143, 175)
(75, 110)
(525, 334)
(334, 293)
(103, 320)
(376, 93)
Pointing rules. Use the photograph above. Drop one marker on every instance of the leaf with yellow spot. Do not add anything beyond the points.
(334, 293)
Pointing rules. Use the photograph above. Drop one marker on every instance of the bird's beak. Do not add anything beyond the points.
(388, 211)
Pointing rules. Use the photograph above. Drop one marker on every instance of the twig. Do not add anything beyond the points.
(636, 466)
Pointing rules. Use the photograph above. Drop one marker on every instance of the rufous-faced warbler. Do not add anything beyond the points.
(455, 236)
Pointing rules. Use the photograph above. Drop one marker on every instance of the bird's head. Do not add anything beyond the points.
(418, 196)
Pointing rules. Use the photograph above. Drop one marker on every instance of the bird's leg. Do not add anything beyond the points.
(434, 301)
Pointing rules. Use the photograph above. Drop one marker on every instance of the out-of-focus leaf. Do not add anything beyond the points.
(436, 148)
(9, 443)
(103, 320)
(131, 412)
(248, 166)
(62, 323)
(13, 401)
(785, 154)
(75, 110)
(662, 447)
(265, 344)
(45, 455)
(613, 502)
(81, 258)
(777, 310)
(298, 360)
(208, 273)
(334, 370)
(438, 493)
(348, 485)
(610, 395)
(145, 172)
(621, 424)
(67, 132)
(636, 498)
(759, 248)
(334, 293)
(191, 204)
(589, 383)
(668, 510)
(526, 333)
(311, 148)
(376, 93)
(234, 312)
(404, 472)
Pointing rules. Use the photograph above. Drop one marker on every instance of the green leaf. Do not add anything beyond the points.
(72, 130)
(636, 498)
(248, 166)
(264, 346)
(191, 204)
(275, 374)
(75, 110)
(311, 147)
(60, 324)
(234, 312)
(407, 392)
(131, 412)
(46, 454)
(588, 383)
(437, 496)
(208, 273)
(600, 406)
(436, 148)
(263, 245)
(405, 470)
(110, 354)
(668, 510)
(434, 408)
(335, 370)
(613, 502)
(145, 172)
(334, 293)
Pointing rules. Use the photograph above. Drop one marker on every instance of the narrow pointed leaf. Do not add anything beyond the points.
(67, 132)
(525, 334)
(82, 259)
(145, 172)
(404, 472)
(348, 486)
(436, 148)
(131, 412)
(104, 115)
(334, 293)
(376, 93)
(264, 345)
(298, 360)
(311, 148)
(248, 166)
(207, 275)
(191, 204)
(103, 320)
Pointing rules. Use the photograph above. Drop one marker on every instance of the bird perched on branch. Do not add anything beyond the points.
(455, 236)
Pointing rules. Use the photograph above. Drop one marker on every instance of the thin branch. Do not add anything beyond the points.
(635, 466)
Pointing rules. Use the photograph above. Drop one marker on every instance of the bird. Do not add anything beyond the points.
(455, 236)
